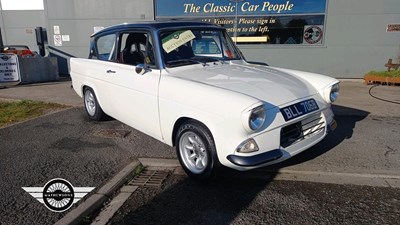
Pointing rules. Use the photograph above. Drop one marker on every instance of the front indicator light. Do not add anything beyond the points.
(248, 146)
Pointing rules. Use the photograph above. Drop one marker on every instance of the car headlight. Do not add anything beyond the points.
(257, 118)
(334, 92)
(331, 93)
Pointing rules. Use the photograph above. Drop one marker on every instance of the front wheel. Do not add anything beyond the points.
(196, 151)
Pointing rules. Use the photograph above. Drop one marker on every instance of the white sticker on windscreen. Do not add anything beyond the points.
(177, 39)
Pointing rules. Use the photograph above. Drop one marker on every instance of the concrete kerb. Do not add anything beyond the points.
(363, 179)
(157, 162)
(345, 178)
(359, 80)
(96, 201)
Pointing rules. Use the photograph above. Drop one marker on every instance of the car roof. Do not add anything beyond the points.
(155, 25)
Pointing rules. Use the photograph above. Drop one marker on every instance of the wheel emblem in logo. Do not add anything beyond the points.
(58, 195)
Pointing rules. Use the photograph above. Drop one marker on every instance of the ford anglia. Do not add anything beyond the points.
(189, 86)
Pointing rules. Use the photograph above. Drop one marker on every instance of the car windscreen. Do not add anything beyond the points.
(190, 46)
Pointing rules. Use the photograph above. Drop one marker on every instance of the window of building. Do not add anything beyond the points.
(291, 22)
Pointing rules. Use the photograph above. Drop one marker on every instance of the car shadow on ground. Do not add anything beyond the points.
(187, 201)
(223, 201)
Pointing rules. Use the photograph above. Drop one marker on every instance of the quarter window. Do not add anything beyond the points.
(105, 47)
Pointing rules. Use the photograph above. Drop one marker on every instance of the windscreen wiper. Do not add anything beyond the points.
(185, 61)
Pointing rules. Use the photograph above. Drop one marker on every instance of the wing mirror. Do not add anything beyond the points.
(141, 69)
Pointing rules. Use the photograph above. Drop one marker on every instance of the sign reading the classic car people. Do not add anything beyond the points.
(9, 68)
(184, 8)
(253, 21)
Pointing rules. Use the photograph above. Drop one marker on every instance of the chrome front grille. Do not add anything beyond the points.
(302, 130)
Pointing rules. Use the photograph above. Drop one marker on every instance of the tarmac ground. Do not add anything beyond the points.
(351, 177)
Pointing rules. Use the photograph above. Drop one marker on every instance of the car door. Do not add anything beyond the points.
(134, 97)
(101, 59)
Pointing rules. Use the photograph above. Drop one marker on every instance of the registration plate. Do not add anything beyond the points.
(299, 109)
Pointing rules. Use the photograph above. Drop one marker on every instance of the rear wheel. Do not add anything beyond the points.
(92, 106)
(196, 150)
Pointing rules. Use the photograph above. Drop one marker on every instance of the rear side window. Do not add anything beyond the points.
(106, 47)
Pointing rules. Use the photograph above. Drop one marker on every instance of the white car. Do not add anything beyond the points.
(187, 85)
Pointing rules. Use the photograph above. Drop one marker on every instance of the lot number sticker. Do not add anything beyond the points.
(177, 39)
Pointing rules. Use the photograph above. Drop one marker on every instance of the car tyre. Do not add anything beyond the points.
(196, 151)
(92, 106)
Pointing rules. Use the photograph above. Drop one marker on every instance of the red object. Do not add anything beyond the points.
(21, 50)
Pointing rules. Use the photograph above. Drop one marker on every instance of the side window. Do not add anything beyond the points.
(105, 47)
(136, 48)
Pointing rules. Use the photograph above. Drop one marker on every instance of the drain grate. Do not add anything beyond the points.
(152, 178)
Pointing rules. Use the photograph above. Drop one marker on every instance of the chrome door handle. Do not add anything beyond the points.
(110, 71)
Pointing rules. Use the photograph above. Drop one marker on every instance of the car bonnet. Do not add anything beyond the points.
(261, 82)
